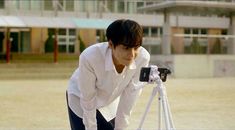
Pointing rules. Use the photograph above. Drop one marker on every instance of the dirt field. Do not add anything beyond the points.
(196, 104)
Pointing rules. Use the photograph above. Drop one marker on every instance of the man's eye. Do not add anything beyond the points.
(136, 48)
(126, 48)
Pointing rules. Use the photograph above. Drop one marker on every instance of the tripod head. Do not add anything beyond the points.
(153, 73)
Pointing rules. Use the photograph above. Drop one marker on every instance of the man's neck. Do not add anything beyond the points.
(119, 67)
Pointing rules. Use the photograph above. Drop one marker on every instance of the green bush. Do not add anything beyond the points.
(82, 44)
(217, 47)
(195, 47)
(172, 49)
(49, 44)
(102, 37)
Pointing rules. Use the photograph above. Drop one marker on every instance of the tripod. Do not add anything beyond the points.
(163, 104)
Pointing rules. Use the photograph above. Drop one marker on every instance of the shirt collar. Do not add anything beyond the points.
(132, 65)
(109, 65)
(109, 60)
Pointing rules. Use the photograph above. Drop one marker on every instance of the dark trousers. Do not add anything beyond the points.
(76, 122)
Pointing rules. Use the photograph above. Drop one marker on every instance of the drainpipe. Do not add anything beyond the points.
(56, 46)
(8, 45)
(56, 33)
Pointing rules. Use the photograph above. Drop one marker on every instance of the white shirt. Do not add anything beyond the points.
(97, 85)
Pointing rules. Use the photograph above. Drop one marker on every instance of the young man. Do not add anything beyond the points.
(105, 86)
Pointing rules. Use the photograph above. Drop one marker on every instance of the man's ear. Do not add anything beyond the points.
(110, 43)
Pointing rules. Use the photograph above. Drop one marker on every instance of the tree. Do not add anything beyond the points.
(49, 44)
(82, 44)
(195, 47)
(217, 47)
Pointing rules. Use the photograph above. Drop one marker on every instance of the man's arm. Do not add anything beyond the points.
(128, 99)
(87, 88)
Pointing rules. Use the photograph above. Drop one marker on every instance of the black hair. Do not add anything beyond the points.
(126, 32)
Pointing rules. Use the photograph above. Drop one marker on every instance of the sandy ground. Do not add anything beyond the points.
(196, 104)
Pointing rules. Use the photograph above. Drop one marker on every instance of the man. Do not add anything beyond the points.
(103, 89)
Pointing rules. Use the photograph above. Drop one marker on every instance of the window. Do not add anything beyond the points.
(62, 48)
(16, 4)
(149, 3)
(153, 49)
(72, 32)
(71, 40)
(121, 7)
(110, 5)
(62, 32)
(67, 39)
(69, 5)
(204, 31)
(36, 5)
(25, 4)
(71, 48)
(154, 32)
(60, 5)
(62, 40)
(195, 45)
(2, 4)
(161, 31)
(187, 31)
(224, 32)
(48, 4)
(140, 4)
(131, 7)
(146, 31)
(90, 6)
(51, 31)
(81, 6)
(100, 36)
(195, 31)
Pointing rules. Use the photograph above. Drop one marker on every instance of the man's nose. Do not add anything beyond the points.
(131, 53)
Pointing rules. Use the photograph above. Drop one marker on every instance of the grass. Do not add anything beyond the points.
(41, 58)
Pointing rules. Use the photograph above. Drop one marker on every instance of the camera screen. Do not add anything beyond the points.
(145, 72)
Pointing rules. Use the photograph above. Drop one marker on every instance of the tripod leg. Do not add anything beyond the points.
(159, 113)
(166, 108)
(154, 92)
(166, 117)
(170, 115)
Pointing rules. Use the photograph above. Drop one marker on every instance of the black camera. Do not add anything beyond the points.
(145, 73)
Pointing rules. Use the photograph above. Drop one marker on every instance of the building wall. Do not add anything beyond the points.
(177, 42)
(187, 66)
(88, 36)
(38, 39)
(211, 41)
(200, 21)
(231, 31)
(197, 66)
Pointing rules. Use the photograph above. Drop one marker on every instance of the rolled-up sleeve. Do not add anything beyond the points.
(128, 100)
(86, 83)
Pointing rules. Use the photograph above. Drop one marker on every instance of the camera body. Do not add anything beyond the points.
(146, 72)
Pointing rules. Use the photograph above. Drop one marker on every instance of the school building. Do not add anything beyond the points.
(172, 28)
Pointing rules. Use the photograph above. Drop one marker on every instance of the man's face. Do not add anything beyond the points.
(123, 55)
